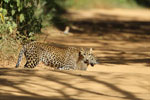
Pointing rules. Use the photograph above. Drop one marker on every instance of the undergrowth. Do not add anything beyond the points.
(8, 47)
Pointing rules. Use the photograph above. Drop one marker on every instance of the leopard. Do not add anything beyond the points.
(54, 55)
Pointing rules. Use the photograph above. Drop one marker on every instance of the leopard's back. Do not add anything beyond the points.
(59, 56)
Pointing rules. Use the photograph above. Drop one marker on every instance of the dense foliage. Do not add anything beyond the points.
(20, 14)
(17, 22)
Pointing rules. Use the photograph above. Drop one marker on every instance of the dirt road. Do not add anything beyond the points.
(121, 43)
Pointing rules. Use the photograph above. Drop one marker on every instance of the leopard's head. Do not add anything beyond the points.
(92, 60)
(87, 56)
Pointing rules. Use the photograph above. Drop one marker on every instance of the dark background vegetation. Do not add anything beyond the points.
(31, 15)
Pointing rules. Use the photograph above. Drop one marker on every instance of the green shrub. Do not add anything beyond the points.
(17, 23)
(22, 13)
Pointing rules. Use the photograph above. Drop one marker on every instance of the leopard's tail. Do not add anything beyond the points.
(20, 57)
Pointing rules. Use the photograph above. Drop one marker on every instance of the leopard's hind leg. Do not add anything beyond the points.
(31, 64)
(32, 61)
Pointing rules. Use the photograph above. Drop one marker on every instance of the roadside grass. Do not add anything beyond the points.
(9, 48)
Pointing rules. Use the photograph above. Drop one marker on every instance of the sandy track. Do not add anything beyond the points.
(121, 45)
(45, 85)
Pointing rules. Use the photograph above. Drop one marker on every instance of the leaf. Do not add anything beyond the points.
(2, 18)
(7, 1)
(21, 18)
(13, 12)
(1, 9)
(14, 25)
(18, 3)
(11, 6)
(4, 12)
(10, 29)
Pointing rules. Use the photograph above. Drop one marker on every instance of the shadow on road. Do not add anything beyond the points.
(25, 78)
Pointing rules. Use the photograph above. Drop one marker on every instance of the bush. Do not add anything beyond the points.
(21, 12)
(17, 22)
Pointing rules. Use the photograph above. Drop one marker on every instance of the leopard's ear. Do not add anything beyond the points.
(91, 50)
(81, 51)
